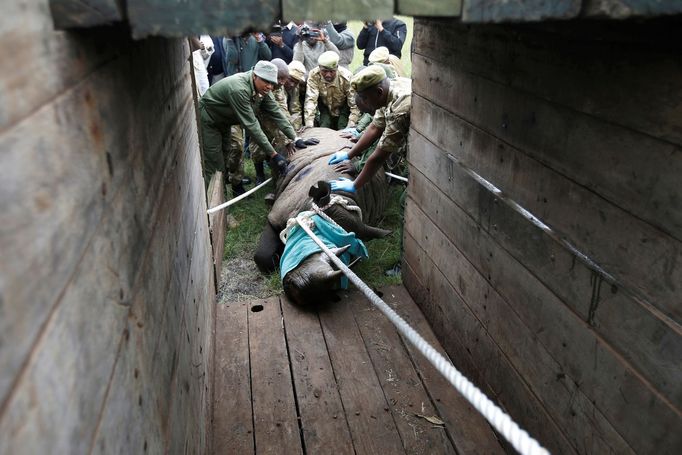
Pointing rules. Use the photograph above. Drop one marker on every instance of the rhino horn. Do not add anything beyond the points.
(340, 250)
(334, 275)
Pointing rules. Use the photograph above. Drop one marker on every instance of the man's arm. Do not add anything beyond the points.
(264, 52)
(340, 40)
(394, 40)
(242, 107)
(354, 115)
(363, 37)
(275, 111)
(371, 134)
(312, 94)
(373, 164)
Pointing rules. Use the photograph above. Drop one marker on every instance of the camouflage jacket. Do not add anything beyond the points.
(332, 94)
(394, 118)
(295, 107)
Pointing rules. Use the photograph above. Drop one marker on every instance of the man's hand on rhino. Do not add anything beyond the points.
(345, 167)
(290, 149)
(338, 157)
(343, 184)
(279, 163)
(304, 143)
(350, 133)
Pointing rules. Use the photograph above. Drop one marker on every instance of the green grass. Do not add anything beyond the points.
(251, 215)
(406, 59)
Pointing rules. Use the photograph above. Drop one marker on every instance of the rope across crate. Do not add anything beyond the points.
(517, 437)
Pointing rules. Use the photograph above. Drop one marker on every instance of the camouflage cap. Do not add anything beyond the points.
(369, 77)
(380, 54)
(297, 70)
(329, 59)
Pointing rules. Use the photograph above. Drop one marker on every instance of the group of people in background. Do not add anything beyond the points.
(259, 91)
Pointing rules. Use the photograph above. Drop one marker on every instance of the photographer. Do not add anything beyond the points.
(390, 33)
(313, 43)
(343, 39)
(278, 47)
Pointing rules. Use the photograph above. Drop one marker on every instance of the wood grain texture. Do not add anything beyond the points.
(337, 11)
(403, 389)
(181, 19)
(625, 9)
(586, 66)
(216, 222)
(478, 11)
(495, 109)
(631, 326)
(468, 430)
(85, 13)
(323, 421)
(232, 418)
(595, 377)
(430, 8)
(275, 420)
(371, 424)
(474, 352)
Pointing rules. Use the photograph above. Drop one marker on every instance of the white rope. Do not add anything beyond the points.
(397, 177)
(516, 436)
(238, 198)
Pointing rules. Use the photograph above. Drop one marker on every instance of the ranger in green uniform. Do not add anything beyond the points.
(329, 91)
(392, 100)
(239, 99)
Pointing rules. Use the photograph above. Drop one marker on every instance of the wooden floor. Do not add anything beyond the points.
(336, 379)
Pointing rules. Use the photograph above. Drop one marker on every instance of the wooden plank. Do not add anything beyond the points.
(51, 66)
(216, 221)
(591, 362)
(574, 65)
(336, 11)
(473, 351)
(85, 13)
(628, 324)
(232, 415)
(468, 430)
(554, 385)
(368, 413)
(610, 174)
(275, 419)
(624, 9)
(430, 8)
(181, 19)
(323, 420)
(518, 10)
(401, 384)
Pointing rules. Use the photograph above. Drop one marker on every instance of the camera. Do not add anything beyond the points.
(307, 32)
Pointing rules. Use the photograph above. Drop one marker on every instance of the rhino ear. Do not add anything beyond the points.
(340, 250)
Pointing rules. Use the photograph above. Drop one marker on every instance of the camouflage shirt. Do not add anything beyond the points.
(394, 118)
(332, 94)
(295, 107)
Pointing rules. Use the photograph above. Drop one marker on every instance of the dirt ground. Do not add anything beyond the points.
(240, 280)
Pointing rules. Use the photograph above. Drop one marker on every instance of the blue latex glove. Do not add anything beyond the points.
(338, 157)
(343, 184)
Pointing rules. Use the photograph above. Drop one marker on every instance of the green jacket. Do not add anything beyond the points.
(234, 100)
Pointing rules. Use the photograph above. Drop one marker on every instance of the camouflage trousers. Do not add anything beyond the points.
(326, 120)
(274, 135)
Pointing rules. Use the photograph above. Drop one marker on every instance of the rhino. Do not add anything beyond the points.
(315, 278)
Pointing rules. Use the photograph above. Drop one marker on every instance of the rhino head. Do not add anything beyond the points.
(315, 280)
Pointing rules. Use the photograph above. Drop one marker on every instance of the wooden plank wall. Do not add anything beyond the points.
(542, 228)
(106, 280)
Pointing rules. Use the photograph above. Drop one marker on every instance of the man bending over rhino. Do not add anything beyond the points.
(391, 99)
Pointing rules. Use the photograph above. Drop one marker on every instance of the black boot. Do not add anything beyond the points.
(260, 172)
(238, 190)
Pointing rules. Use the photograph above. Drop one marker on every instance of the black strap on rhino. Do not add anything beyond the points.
(321, 193)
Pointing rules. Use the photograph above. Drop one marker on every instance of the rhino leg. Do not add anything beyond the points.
(269, 250)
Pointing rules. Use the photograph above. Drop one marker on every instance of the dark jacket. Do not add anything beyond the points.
(285, 52)
(393, 36)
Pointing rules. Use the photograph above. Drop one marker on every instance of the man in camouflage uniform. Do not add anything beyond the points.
(295, 91)
(329, 91)
(239, 99)
(391, 123)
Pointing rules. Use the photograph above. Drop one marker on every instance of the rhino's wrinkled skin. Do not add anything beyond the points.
(315, 277)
